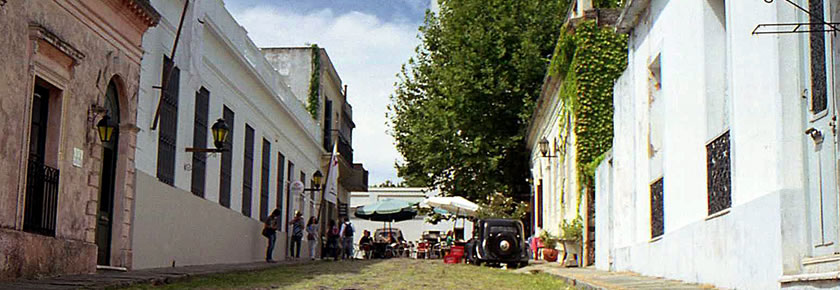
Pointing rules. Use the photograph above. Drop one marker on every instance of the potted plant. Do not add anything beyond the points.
(549, 242)
(571, 239)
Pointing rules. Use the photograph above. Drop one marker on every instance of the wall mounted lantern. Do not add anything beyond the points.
(544, 148)
(106, 127)
(316, 181)
(220, 132)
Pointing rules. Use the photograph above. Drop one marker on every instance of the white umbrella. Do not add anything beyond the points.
(456, 205)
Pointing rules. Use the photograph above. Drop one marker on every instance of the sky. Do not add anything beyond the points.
(367, 42)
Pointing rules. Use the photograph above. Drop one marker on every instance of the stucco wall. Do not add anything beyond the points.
(78, 47)
(175, 225)
(765, 232)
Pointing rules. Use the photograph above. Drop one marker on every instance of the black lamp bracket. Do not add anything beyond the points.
(820, 25)
(93, 112)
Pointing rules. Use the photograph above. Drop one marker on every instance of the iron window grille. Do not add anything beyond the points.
(168, 134)
(719, 175)
(227, 161)
(41, 198)
(200, 127)
(657, 208)
(266, 168)
(248, 170)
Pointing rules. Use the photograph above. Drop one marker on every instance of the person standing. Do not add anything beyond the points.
(347, 238)
(332, 240)
(270, 227)
(312, 235)
(297, 235)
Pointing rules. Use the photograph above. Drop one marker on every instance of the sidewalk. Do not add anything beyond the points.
(112, 279)
(589, 278)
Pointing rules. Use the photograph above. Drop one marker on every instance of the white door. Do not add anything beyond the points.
(821, 136)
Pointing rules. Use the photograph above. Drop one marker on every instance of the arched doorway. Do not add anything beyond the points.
(105, 214)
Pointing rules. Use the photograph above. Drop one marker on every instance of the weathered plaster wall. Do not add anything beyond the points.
(765, 233)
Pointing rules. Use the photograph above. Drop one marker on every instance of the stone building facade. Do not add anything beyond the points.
(67, 198)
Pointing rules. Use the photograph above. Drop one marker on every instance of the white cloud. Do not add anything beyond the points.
(367, 53)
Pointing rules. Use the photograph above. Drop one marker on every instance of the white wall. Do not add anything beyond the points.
(749, 246)
(219, 56)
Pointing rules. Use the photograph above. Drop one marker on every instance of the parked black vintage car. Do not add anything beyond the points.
(498, 241)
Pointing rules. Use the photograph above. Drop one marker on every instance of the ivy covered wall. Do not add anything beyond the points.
(588, 59)
(313, 102)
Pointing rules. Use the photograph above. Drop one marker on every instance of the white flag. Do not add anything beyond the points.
(331, 188)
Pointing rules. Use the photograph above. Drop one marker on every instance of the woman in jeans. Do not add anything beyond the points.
(270, 232)
(312, 235)
(297, 235)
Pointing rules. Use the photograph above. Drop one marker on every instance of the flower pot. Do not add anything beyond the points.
(549, 254)
(571, 252)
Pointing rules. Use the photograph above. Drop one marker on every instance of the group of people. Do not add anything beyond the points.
(339, 240)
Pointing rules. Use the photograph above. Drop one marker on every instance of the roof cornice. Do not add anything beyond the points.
(630, 15)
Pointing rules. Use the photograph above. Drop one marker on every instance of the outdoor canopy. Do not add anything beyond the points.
(387, 210)
(456, 205)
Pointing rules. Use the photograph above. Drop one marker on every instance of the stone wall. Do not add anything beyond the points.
(77, 48)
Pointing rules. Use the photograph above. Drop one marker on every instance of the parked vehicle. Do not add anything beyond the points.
(498, 241)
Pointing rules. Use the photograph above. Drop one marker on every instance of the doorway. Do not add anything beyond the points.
(107, 188)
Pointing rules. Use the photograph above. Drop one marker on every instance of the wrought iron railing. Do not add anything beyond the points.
(41, 198)
(345, 149)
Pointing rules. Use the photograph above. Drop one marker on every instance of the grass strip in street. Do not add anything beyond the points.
(373, 274)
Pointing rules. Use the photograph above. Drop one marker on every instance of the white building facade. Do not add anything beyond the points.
(724, 163)
(200, 208)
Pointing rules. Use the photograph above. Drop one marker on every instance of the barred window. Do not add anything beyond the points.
(247, 170)
(657, 208)
(718, 174)
(199, 159)
(227, 160)
(817, 41)
(168, 132)
(266, 167)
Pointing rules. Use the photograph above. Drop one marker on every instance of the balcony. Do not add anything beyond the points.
(345, 149)
(41, 198)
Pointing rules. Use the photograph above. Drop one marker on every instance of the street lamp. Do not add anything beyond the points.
(316, 178)
(220, 132)
(106, 127)
(544, 148)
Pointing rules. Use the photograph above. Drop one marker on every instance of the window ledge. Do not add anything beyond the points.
(717, 214)
(810, 277)
(656, 239)
(821, 259)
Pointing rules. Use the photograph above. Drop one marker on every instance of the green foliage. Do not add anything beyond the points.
(549, 240)
(572, 230)
(462, 103)
(589, 60)
(607, 3)
(314, 100)
(500, 206)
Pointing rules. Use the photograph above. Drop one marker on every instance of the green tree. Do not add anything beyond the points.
(463, 102)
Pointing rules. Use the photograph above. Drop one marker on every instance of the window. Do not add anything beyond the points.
(266, 168)
(328, 125)
(168, 132)
(247, 170)
(227, 160)
(718, 174)
(281, 163)
(42, 175)
(817, 43)
(301, 203)
(539, 204)
(200, 128)
(289, 178)
(657, 208)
